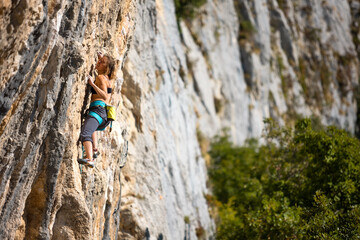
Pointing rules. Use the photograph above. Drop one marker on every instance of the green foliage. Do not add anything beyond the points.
(326, 78)
(302, 72)
(302, 184)
(312, 34)
(283, 5)
(247, 29)
(187, 219)
(187, 8)
(285, 80)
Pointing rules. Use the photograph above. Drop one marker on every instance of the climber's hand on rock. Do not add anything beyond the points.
(99, 54)
(90, 80)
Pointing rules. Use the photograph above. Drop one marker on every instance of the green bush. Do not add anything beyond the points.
(302, 184)
(187, 8)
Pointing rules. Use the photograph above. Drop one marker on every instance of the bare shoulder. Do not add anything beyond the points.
(102, 77)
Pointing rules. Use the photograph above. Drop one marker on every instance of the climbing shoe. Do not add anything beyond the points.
(90, 163)
(87, 162)
(95, 153)
(82, 161)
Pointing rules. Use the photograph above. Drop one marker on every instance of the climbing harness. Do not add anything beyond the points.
(94, 114)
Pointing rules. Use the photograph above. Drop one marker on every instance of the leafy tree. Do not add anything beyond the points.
(301, 184)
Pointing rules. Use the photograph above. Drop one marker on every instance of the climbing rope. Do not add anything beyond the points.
(83, 153)
(97, 27)
(123, 154)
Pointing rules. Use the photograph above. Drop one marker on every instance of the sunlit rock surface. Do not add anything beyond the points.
(178, 83)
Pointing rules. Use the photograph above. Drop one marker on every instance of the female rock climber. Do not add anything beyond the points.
(97, 116)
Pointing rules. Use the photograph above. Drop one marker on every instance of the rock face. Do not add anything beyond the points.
(284, 58)
(47, 48)
(178, 83)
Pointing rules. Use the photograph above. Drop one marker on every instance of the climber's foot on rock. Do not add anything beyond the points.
(87, 162)
(90, 163)
(95, 153)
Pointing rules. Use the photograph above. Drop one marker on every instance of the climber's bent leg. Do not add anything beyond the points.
(89, 127)
(88, 149)
(94, 141)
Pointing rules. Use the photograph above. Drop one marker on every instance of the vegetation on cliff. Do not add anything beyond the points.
(302, 184)
(187, 8)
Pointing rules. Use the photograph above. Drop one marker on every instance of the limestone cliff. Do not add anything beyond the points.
(178, 83)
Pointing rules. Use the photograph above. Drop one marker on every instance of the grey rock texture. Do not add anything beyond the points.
(178, 83)
(46, 50)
